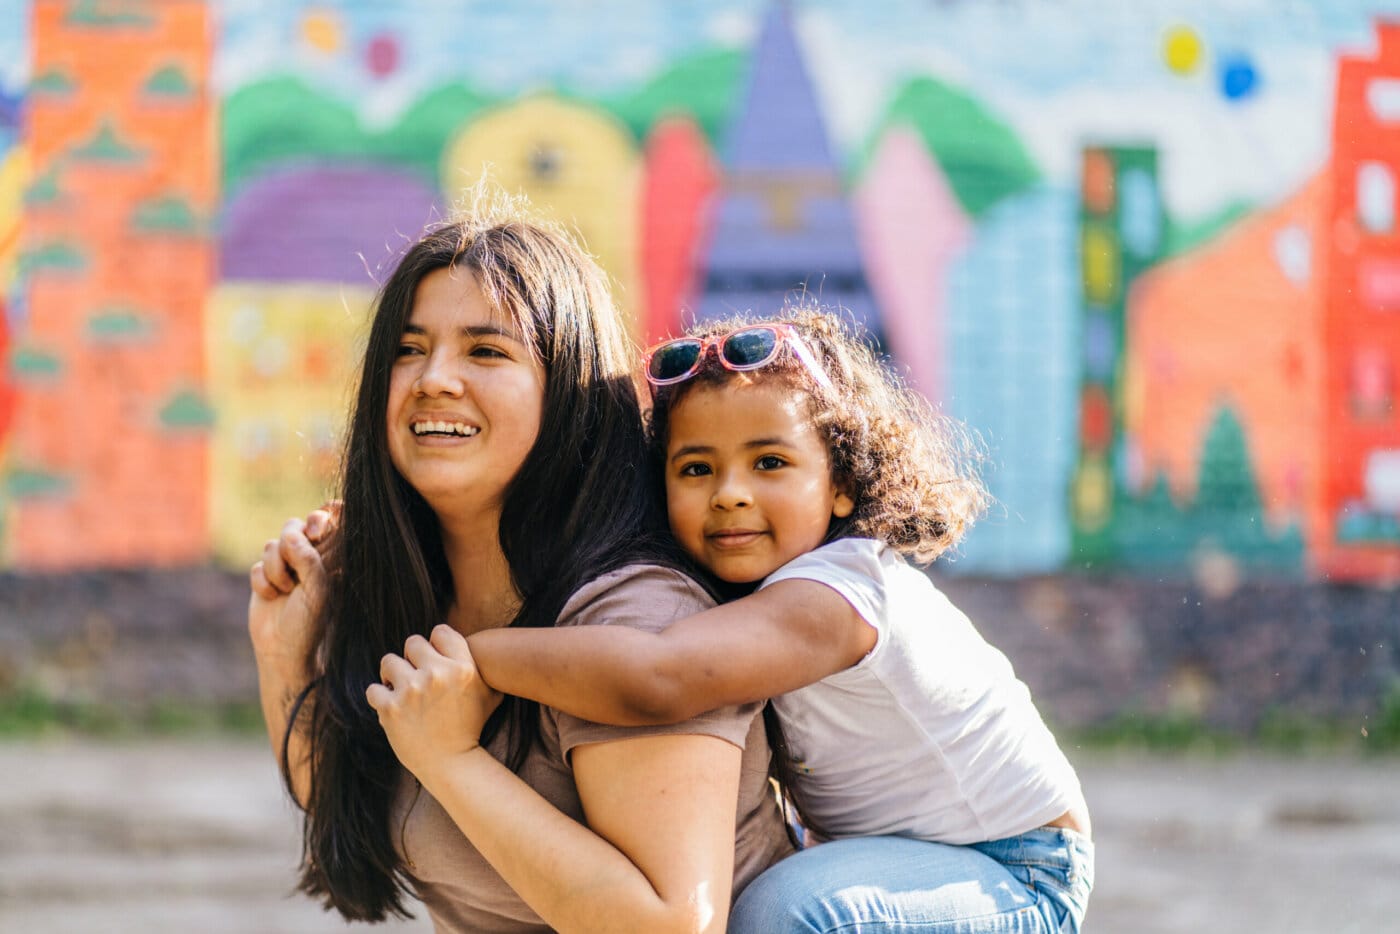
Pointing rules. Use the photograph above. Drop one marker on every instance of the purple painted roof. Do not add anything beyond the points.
(780, 126)
(782, 218)
(323, 224)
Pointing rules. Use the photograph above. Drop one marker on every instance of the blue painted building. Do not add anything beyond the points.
(1013, 338)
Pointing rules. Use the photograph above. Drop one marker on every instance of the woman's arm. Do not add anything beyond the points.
(286, 590)
(657, 854)
(781, 638)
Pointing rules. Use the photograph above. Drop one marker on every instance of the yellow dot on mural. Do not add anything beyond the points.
(321, 30)
(1181, 49)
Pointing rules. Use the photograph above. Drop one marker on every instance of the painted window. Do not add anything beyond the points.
(1372, 384)
(1375, 197)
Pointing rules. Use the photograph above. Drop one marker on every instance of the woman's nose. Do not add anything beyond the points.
(439, 377)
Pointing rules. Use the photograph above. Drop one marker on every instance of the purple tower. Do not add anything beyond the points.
(782, 223)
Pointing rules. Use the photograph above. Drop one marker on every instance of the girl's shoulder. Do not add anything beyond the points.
(851, 555)
(644, 596)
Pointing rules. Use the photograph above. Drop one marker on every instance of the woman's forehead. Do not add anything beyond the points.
(453, 296)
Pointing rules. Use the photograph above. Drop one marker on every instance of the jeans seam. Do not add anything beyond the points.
(1006, 916)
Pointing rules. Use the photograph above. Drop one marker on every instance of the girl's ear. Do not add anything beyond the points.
(843, 505)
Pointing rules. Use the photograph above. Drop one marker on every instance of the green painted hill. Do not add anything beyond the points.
(981, 156)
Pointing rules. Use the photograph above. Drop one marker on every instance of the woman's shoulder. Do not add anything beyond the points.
(644, 596)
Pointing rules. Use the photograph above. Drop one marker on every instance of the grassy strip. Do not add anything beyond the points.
(1279, 730)
(29, 713)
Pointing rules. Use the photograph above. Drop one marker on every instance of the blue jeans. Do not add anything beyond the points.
(1035, 882)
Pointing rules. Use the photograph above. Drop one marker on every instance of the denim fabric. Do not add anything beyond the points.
(1035, 882)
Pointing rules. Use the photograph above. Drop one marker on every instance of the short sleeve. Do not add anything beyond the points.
(649, 598)
(853, 567)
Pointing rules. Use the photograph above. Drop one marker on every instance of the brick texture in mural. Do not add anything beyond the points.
(1151, 257)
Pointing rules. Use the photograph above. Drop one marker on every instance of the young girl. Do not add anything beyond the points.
(795, 461)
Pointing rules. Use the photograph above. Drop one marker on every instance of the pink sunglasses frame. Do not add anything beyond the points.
(785, 334)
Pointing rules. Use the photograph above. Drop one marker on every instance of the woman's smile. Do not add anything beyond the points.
(465, 395)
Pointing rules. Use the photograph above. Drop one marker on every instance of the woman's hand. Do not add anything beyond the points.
(432, 702)
(287, 585)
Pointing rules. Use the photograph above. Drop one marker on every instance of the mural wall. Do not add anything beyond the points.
(1149, 252)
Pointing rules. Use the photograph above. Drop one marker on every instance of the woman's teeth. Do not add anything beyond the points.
(445, 428)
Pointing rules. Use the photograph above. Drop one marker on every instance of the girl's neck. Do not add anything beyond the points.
(485, 596)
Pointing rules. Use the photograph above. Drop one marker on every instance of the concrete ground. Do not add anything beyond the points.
(194, 835)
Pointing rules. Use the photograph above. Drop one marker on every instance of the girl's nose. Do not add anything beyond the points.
(731, 494)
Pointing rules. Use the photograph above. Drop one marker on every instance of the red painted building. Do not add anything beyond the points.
(1357, 506)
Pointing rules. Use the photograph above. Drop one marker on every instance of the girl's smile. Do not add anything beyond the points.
(748, 477)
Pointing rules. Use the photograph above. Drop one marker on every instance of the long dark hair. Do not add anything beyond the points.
(580, 504)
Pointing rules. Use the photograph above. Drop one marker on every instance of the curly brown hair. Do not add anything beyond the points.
(912, 471)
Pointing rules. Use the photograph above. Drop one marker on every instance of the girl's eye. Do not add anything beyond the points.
(769, 462)
(489, 352)
(695, 470)
(406, 349)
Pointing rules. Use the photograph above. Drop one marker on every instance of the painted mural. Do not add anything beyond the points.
(1148, 252)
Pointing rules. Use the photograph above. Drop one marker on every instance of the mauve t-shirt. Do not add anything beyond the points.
(461, 890)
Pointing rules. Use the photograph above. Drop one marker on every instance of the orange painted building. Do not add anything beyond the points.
(108, 461)
(1359, 480)
(1234, 325)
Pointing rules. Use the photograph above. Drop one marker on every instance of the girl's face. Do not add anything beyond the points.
(465, 396)
(748, 478)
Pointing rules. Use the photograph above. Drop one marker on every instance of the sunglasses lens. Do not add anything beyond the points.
(673, 360)
(750, 347)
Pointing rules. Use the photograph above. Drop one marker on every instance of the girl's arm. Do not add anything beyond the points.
(781, 638)
(641, 864)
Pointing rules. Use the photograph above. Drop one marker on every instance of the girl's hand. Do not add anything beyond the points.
(432, 702)
(287, 585)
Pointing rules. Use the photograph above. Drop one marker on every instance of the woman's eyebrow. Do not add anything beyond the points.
(490, 330)
(472, 330)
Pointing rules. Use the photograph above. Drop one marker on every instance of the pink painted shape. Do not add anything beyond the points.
(911, 227)
(678, 180)
(1380, 283)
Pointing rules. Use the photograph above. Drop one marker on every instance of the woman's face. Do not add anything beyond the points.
(465, 396)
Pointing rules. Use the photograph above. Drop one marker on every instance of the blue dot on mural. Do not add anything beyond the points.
(1141, 215)
(1238, 77)
(1099, 349)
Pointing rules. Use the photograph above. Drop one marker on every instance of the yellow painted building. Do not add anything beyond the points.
(282, 363)
(576, 164)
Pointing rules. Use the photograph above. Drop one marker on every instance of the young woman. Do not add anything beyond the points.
(495, 476)
(795, 462)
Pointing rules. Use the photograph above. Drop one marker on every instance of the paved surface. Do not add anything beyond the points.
(195, 836)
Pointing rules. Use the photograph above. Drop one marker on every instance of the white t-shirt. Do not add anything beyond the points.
(931, 735)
